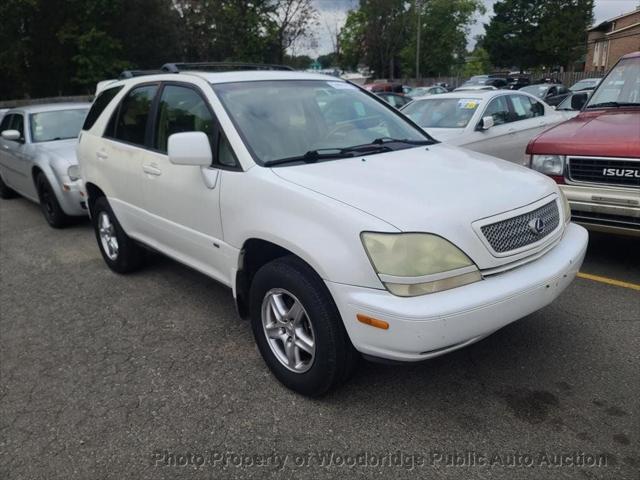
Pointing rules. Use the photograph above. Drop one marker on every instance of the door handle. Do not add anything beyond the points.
(101, 156)
(151, 169)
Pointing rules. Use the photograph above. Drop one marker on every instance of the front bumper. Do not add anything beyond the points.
(607, 209)
(71, 198)
(431, 325)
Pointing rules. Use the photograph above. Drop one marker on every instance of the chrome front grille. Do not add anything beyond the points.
(520, 231)
(624, 172)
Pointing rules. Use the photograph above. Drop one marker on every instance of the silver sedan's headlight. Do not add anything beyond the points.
(411, 264)
(73, 172)
(548, 164)
(566, 208)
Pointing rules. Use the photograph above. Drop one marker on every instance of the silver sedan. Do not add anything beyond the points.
(38, 158)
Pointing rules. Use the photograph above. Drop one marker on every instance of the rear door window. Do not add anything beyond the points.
(99, 104)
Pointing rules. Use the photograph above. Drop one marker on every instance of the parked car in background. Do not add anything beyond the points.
(395, 99)
(573, 103)
(38, 158)
(483, 81)
(595, 157)
(340, 229)
(551, 93)
(384, 87)
(498, 123)
(518, 82)
(585, 84)
(423, 91)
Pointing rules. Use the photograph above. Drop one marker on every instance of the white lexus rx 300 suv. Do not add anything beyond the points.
(340, 226)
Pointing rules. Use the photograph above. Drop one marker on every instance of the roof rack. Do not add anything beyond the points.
(221, 66)
(138, 73)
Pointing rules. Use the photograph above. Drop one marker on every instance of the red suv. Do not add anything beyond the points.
(595, 157)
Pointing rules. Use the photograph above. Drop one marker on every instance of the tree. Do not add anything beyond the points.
(351, 39)
(292, 21)
(444, 28)
(529, 33)
(478, 63)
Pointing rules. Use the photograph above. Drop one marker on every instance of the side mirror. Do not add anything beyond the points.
(190, 148)
(13, 135)
(486, 123)
(578, 100)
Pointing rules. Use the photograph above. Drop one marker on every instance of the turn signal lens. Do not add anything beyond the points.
(374, 322)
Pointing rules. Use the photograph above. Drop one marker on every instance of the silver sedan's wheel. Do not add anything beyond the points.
(288, 330)
(108, 237)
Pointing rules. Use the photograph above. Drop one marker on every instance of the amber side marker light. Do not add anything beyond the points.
(374, 322)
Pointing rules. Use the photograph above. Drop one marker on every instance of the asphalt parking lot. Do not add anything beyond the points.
(153, 375)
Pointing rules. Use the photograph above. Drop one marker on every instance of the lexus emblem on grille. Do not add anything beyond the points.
(536, 225)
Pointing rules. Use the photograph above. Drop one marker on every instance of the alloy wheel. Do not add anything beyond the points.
(288, 330)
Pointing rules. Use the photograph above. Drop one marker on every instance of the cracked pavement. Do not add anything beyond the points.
(107, 376)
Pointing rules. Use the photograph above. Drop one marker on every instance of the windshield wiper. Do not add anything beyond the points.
(312, 156)
(383, 140)
(614, 104)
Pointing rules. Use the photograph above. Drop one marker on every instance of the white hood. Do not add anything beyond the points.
(444, 134)
(437, 189)
(62, 150)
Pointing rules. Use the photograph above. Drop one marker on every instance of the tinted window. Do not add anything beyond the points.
(6, 121)
(225, 154)
(499, 110)
(99, 104)
(526, 107)
(17, 123)
(130, 125)
(182, 109)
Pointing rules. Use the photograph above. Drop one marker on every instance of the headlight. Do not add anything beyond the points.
(566, 208)
(73, 172)
(411, 264)
(548, 164)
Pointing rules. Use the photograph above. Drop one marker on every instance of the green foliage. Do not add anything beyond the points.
(53, 47)
(478, 63)
(382, 34)
(443, 38)
(530, 33)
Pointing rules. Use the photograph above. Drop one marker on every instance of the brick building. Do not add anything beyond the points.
(609, 40)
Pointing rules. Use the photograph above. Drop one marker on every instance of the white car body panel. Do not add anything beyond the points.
(507, 141)
(318, 211)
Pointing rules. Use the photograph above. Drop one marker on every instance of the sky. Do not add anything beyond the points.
(332, 14)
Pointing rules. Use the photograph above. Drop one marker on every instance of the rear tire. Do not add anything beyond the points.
(6, 192)
(120, 252)
(51, 209)
(293, 311)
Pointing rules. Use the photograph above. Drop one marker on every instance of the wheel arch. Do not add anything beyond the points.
(255, 253)
(93, 193)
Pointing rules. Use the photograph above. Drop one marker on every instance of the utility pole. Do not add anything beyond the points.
(418, 5)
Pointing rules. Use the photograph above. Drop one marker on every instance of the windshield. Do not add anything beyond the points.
(442, 112)
(620, 86)
(56, 125)
(537, 90)
(583, 85)
(284, 119)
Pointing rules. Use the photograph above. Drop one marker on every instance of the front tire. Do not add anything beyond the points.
(6, 192)
(120, 252)
(298, 328)
(51, 209)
